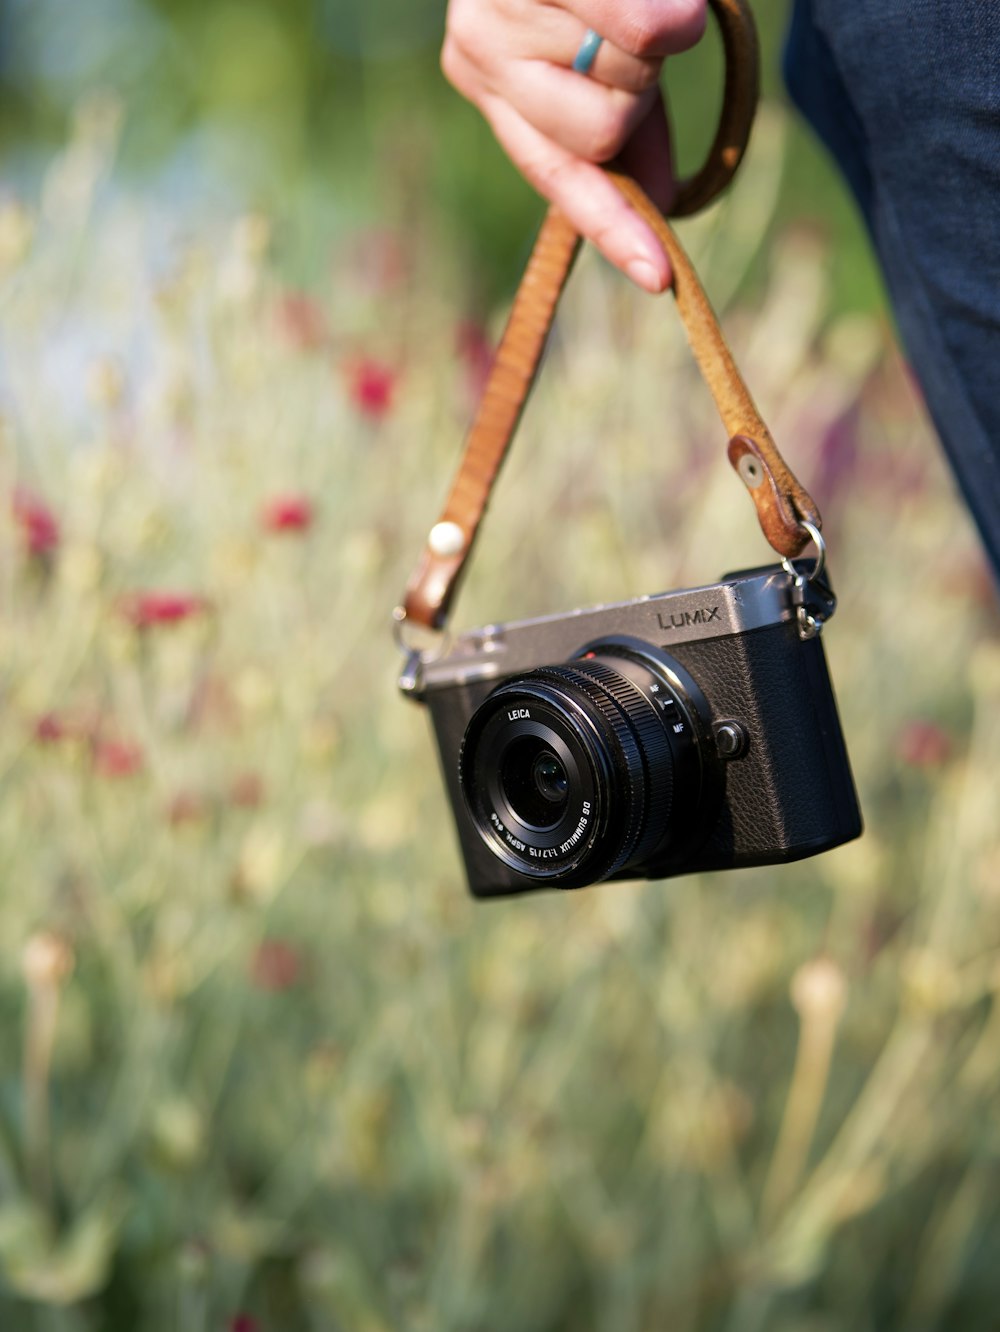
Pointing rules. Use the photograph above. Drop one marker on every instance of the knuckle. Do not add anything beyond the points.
(451, 63)
(455, 68)
(554, 178)
(690, 17)
(604, 231)
(661, 27)
(463, 32)
(608, 133)
(550, 178)
(640, 36)
(647, 75)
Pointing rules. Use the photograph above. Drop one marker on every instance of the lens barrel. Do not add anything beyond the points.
(570, 772)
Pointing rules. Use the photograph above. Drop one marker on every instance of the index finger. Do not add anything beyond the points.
(584, 193)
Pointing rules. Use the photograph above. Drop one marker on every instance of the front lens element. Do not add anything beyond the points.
(534, 781)
(550, 778)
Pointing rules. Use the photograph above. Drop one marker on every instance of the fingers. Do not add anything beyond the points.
(549, 34)
(513, 58)
(584, 194)
(617, 69)
(651, 29)
(587, 119)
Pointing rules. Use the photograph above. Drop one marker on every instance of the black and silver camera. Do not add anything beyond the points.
(693, 730)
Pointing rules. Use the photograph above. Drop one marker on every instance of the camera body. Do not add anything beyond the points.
(688, 731)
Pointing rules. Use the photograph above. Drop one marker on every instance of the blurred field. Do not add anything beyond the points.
(265, 1067)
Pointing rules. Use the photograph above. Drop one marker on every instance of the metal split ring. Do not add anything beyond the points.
(418, 655)
(812, 596)
(816, 536)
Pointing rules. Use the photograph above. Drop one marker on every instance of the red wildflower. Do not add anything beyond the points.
(923, 744)
(117, 758)
(275, 966)
(53, 727)
(243, 1323)
(144, 609)
(287, 513)
(372, 387)
(247, 790)
(301, 321)
(39, 528)
(50, 728)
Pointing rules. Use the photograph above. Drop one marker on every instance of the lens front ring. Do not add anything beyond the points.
(605, 736)
(502, 744)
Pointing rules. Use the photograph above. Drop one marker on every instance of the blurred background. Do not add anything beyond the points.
(264, 1065)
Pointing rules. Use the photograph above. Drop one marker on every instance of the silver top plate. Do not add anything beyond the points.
(739, 604)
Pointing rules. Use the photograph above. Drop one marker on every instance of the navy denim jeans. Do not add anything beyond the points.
(906, 95)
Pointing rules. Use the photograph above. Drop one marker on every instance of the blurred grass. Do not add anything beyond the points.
(334, 111)
(264, 1065)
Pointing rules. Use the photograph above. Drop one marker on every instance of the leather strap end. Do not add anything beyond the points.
(780, 507)
(430, 590)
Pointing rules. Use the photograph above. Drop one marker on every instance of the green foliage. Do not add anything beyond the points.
(338, 103)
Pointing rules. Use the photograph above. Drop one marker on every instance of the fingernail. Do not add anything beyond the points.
(641, 271)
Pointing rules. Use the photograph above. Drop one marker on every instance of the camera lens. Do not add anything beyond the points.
(571, 772)
(534, 782)
(550, 778)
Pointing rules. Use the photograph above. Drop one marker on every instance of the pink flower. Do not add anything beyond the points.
(275, 966)
(372, 386)
(39, 528)
(923, 744)
(145, 609)
(244, 1323)
(288, 513)
(301, 321)
(117, 758)
(50, 728)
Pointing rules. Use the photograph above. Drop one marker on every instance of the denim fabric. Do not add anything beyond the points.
(906, 95)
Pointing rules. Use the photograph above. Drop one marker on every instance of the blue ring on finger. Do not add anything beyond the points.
(587, 54)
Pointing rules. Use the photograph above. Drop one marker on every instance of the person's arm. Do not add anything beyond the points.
(513, 59)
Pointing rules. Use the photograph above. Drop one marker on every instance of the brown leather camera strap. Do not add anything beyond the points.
(739, 105)
(782, 504)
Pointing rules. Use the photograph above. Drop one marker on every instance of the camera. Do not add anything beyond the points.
(686, 731)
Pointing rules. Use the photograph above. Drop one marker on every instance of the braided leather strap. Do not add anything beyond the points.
(781, 502)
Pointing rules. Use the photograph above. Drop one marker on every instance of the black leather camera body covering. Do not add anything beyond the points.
(696, 730)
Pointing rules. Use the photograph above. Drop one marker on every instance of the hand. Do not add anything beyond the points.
(513, 60)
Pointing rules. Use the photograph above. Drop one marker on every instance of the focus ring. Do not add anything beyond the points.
(653, 744)
(615, 712)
